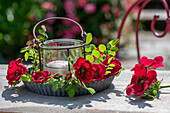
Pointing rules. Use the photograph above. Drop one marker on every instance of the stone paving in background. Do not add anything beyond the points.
(150, 46)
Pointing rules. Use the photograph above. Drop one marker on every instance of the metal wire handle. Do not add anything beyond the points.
(83, 33)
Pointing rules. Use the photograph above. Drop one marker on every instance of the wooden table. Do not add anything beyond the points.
(111, 100)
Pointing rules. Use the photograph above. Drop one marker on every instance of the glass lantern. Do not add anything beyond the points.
(60, 54)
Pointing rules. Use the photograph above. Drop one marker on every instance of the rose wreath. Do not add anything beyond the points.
(99, 64)
(144, 80)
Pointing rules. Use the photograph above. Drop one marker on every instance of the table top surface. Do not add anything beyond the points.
(111, 100)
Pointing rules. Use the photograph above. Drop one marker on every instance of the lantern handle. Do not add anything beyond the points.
(83, 33)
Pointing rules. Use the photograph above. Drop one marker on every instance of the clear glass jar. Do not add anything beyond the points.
(60, 54)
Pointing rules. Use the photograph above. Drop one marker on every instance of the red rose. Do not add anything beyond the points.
(41, 77)
(99, 70)
(56, 76)
(141, 80)
(83, 70)
(115, 69)
(152, 64)
(15, 70)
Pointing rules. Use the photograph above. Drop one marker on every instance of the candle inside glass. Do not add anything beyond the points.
(57, 66)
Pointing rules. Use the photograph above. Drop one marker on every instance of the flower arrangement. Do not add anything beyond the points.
(99, 64)
(144, 80)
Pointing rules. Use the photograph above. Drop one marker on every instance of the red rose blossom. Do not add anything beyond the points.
(141, 80)
(41, 77)
(99, 70)
(15, 70)
(83, 70)
(152, 63)
(115, 69)
(56, 76)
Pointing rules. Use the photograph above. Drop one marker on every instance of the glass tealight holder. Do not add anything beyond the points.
(59, 55)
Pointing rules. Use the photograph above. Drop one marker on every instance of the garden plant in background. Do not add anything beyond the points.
(144, 80)
(101, 17)
(99, 64)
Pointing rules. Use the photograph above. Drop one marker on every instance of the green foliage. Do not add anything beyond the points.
(96, 53)
(43, 28)
(23, 50)
(15, 31)
(114, 49)
(116, 41)
(26, 56)
(55, 87)
(71, 93)
(102, 48)
(91, 90)
(88, 38)
(90, 58)
(109, 45)
(69, 86)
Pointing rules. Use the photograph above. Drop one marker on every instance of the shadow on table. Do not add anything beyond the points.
(140, 101)
(21, 94)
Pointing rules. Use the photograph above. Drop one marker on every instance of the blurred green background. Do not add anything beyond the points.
(18, 17)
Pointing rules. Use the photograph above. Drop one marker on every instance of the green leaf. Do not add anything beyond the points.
(109, 68)
(41, 38)
(26, 56)
(105, 52)
(98, 60)
(117, 74)
(90, 58)
(71, 93)
(23, 50)
(84, 85)
(55, 87)
(111, 65)
(69, 86)
(29, 78)
(109, 60)
(64, 54)
(96, 53)
(92, 47)
(46, 35)
(102, 57)
(72, 52)
(88, 49)
(41, 32)
(111, 53)
(108, 45)
(116, 41)
(24, 77)
(43, 28)
(16, 82)
(107, 72)
(153, 92)
(75, 88)
(102, 48)
(91, 90)
(88, 38)
(114, 49)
